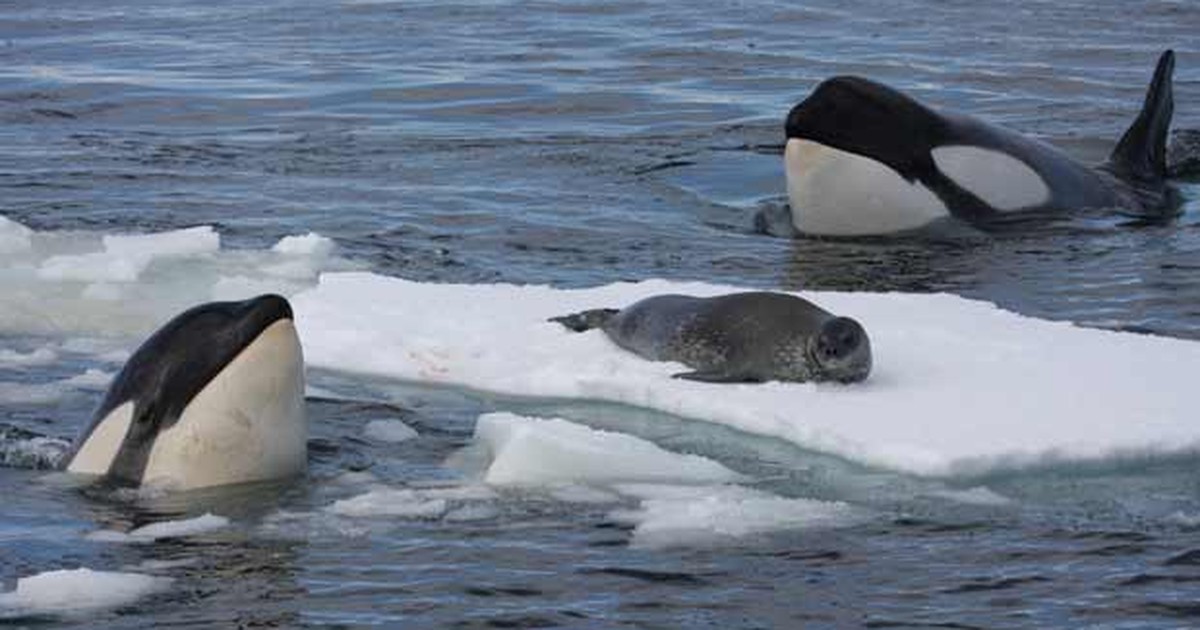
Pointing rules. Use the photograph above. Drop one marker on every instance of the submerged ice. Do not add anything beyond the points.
(531, 451)
(683, 499)
(667, 498)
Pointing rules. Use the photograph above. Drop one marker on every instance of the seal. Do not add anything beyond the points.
(215, 396)
(862, 158)
(740, 337)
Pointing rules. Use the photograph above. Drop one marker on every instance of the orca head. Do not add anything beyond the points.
(871, 120)
(215, 396)
(863, 158)
(858, 157)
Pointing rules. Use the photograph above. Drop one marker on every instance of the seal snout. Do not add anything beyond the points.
(842, 350)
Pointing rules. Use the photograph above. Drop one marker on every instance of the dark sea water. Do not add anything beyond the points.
(578, 144)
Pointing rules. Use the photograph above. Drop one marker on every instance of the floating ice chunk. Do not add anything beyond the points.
(30, 393)
(355, 478)
(537, 451)
(204, 523)
(96, 268)
(448, 503)
(187, 242)
(23, 449)
(303, 269)
(90, 379)
(14, 237)
(161, 565)
(311, 244)
(103, 291)
(101, 348)
(467, 492)
(164, 529)
(575, 493)
(1183, 519)
(293, 264)
(54, 391)
(85, 282)
(386, 502)
(307, 525)
(469, 513)
(700, 515)
(41, 356)
(125, 257)
(79, 590)
(979, 495)
(304, 256)
(389, 431)
(417, 503)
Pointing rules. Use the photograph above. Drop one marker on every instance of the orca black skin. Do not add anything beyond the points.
(864, 118)
(171, 367)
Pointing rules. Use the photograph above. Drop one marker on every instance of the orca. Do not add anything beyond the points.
(214, 397)
(862, 159)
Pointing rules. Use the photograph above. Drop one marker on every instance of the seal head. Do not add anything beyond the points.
(841, 350)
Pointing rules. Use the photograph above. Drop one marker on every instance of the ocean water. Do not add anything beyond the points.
(572, 144)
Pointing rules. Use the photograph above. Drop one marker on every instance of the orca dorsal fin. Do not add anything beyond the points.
(1142, 151)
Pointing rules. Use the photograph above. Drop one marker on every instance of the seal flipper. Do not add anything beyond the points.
(1141, 153)
(586, 320)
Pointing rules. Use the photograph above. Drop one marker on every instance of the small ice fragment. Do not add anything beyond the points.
(74, 590)
(389, 431)
(164, 529)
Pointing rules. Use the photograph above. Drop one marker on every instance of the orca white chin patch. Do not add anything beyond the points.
(998, 179)
(247, 424)
(838, 193)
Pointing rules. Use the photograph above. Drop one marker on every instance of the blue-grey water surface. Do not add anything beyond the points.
(581, 143)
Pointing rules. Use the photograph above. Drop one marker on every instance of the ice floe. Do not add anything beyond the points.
(960, 386)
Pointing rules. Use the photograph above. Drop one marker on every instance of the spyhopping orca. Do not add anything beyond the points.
(862, 158)
(215, 396)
